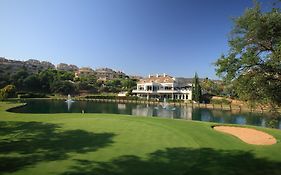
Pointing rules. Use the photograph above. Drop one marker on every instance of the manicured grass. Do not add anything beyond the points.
(109, 144)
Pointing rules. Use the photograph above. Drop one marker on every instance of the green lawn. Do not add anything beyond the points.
(108, 144)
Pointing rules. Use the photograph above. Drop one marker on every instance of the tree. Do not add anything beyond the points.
(212, 87)
(18, 77)
(7, 92)
(65, 75)
(112, 86)
(64, 87)
(196, 89)
(4, 79)
(253, 63)
(113, 83)
(88, 83)
(128, 84)
(47, 77)
(32, 83)
(3, 95)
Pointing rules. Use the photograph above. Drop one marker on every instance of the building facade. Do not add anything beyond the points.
(105, 74)
(8, 66)
(84, 71)
(163, 86)
(67, 67)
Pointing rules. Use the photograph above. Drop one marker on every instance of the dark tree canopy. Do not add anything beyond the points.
(253, 63)
(196, 89)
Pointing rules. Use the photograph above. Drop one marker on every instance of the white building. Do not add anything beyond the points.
(163, 86)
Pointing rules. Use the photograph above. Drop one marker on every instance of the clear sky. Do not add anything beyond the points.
(139, 37)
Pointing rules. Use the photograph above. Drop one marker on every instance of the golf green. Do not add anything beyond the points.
(110, 144)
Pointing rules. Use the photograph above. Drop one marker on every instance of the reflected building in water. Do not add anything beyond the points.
(121, 106)
(186, 113)
(145, 110)
(142, 110)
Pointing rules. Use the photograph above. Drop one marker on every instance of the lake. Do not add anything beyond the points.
(177, 112)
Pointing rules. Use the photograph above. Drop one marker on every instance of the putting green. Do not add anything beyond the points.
(120, 144)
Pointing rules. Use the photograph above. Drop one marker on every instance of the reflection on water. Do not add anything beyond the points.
(69, 103)
(121, 106)
(183, 112)
(141, 110)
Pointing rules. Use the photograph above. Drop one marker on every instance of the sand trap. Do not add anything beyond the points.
(248, 135)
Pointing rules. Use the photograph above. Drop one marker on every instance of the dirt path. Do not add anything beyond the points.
(248, 135)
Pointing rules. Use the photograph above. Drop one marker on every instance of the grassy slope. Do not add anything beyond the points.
(120, 144)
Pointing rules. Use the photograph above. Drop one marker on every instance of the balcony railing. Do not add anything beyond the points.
(160, 91)
(143, 91)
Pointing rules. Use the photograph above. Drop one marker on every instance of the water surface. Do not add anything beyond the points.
(183, 112)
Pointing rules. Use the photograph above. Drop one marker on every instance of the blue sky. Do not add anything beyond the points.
(139, 37)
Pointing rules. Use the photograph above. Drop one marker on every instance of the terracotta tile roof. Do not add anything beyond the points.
(158, 79)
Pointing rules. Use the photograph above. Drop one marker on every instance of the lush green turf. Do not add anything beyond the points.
(110, 144)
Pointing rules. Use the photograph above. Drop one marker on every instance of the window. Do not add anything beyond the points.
(168, 88)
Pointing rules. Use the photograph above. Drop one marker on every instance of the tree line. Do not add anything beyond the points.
(52, 81)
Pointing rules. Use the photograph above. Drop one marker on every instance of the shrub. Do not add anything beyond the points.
(64, 87)
(7, 92)
(32, 95)
(111, 97)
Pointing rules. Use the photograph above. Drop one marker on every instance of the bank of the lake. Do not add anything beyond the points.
(75, 143)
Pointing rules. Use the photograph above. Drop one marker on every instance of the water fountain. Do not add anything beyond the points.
(165, 105)
(69, 101)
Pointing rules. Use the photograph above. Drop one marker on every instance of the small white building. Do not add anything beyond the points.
(163, 86)
(122, 94)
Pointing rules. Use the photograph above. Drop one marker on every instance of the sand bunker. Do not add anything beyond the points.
(248, 135)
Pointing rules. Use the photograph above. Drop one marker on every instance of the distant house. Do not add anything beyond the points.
(84, 71)
(67, 67)
(102, 74)
(163, 86)
(135, 77)
(8, 66)
(105, 74)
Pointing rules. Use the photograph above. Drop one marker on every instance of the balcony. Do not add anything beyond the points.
(167, 91)
(144, 92)
(162, 91)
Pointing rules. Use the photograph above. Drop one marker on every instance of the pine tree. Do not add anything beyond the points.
(196, 89)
